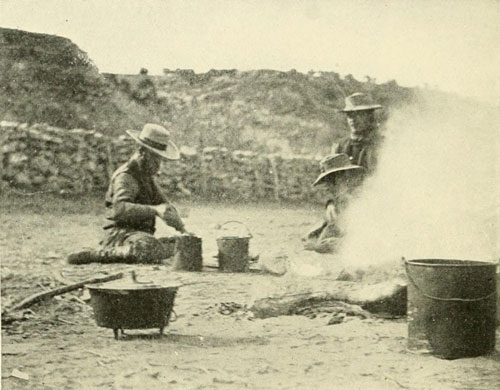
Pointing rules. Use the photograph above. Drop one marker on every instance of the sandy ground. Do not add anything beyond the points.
(58, 345)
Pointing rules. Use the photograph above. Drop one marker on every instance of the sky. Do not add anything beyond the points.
(450, 45)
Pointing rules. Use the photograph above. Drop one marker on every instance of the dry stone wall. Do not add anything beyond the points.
(44, 158)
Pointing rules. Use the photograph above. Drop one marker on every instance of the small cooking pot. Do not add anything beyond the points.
(132, 305)
(233, 249)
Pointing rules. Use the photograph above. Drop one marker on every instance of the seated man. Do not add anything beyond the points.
(341, 177)
(362, 144)
(133, 200)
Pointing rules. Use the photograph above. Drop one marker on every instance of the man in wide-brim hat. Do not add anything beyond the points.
(363, 141)
(340, 177)
(133, 201)
(337, 166)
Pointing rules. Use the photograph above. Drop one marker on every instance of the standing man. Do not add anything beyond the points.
(363, 141)
(133, 201)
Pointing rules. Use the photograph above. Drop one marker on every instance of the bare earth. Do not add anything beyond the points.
(57, 344)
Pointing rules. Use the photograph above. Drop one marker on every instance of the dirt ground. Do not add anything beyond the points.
(57, 345)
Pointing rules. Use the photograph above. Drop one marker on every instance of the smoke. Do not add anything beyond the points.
(436, 190)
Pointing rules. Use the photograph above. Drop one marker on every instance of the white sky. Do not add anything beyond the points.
(452, 45)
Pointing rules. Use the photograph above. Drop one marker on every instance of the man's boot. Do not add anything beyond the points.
(85, 257)
(114, 255)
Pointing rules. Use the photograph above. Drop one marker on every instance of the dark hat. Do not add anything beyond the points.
(336, 163)
(359, 102)
(157, 139)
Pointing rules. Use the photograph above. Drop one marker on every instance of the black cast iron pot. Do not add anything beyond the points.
(135, 305)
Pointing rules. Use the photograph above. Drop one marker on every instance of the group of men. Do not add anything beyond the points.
(343, 171)
(133, 199)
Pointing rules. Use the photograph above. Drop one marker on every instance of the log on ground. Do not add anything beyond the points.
(388, 298)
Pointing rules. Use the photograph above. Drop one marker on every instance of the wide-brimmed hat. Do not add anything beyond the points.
(359, 102)
(334, 164)
(157, 139)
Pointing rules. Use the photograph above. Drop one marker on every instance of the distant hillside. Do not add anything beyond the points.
(48, 79)
(262, 107)
(45, 78)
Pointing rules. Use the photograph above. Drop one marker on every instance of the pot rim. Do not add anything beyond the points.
(152, 287)
(433, 262)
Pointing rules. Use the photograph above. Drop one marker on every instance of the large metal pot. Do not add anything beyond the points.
(132, 305)
(451, 307)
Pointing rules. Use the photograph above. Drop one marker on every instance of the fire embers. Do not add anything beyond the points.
(237, 310)
(228, 308)
(335, 311)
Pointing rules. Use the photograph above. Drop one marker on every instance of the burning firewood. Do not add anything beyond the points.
(387, 298)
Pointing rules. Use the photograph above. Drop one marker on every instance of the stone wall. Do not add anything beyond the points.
(44, 158)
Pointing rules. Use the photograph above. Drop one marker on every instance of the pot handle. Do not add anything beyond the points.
(241, 223)
(133, 275)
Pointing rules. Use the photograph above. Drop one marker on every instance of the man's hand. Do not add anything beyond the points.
(165, 210)
(330, 213)
(169, 214)
(160, 210)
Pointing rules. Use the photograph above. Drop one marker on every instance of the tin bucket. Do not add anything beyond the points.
(451, 307)
(187, 253)
(233, 251)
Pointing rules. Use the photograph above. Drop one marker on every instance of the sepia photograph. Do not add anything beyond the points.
(250, 194)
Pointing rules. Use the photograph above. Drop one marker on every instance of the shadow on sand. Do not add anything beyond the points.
(192, 340)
